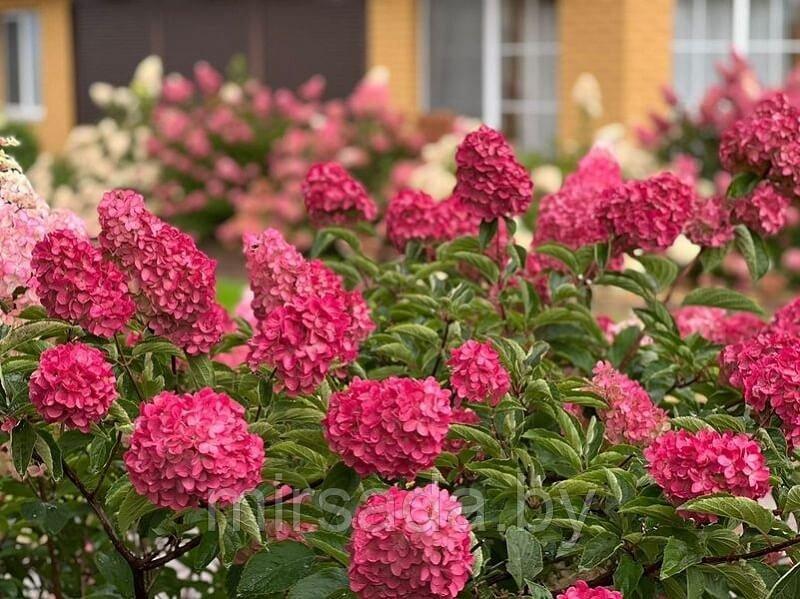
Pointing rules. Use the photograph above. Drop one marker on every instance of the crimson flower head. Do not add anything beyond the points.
(710, 224)
(477, 374)
(395, 427)
(412, 216)
(631, 416)
(688, 465)
(765, 211)
(174, 281)
(582, 590)
(716, 325)
(74, 282)
(193, 449)
(410, 544)
(332, 195)
(73, 385)
(489, 180)
(766, 143)
(647, 214)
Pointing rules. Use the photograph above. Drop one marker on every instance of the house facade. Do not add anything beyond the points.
(511, 63)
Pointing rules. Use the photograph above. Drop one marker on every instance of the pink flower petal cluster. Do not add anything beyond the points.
(767, 143)
(710, 225)
(456, 218)
(582, 590)
(410, 544)
(476, 373)
(332, 195)
(74, 282)
(631, 416)
(394, 427)
(567, 216)
(787, 319)
(489, 180)
(716, 324)
(413, 215)
(74, 385)
(308, 322)
(193, 449)
(174, 281)
(765, 211)
(688, 465)
(647, 214)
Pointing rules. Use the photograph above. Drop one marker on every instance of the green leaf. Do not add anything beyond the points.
(792, 501)
(599, 548)
(738, 508)
(485, 265)
(721, 298)
(788, 587)
(627, 575)
(487, 231)
(247, 520)
(320, 584)
(560, 253)
(40, 329)
(332, 544)
(555, 454)
(711, 258)
(116, 571)
(157, 346)
(741, 577)
(417, 332)
(275, 570)
(55, 466)
(524, 555)
(476, 435)
(201, 371)
(677, 557)
(133, 507)
(23, 439)
(753, 250)
(743, 184)
(662, 270)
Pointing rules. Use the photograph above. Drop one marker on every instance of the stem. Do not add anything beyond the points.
(107, 465)
(139, 584)
(127, 368)
(55, 568)
(174, 554)
(441, 350)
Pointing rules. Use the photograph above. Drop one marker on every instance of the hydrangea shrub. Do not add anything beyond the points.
(453, 420)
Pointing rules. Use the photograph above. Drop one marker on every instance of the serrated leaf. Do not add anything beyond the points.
(788, 587)
(157, 346)
(247, 520)
(719, 297)
(40, 329)
(678, 556)
(320, 585)
(738, 508)
(417, 332)
(598, 549)
(133, 507)
(792, 501)
(524, 555)
(627, 575)
(476, 435)
(201, 371)
(275, 569)
(560, 253)
(742, 184)
(487, 231)
(23, 439)
(485, 265)
(753, 250)
(741, 577)
(662, 270)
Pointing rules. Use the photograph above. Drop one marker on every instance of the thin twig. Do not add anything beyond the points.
(127, 368)
(439, 356)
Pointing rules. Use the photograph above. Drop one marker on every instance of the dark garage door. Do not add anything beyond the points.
(285, 41)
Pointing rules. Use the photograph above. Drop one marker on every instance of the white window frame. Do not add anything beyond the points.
(29, 107)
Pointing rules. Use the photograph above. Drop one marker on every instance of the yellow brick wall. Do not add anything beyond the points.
(58, 73)
(626, 44)
(392, 43)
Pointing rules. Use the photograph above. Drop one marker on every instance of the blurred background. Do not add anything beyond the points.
(214, 109)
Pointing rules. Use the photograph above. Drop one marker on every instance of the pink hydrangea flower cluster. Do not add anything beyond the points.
(688, 465)
(476, 373)
(766, 143)
(567, 216)
(716, 324)
(308, 322)
(489, 180)
(413, 215)
(582, 590)
(394, 427)
(410, 544)
(332, 195)
(787, 319)
(710, 225)
(174, 281)
(73, 385)
(647, 214)
(74, 282)
(192, 449)
(631, 416)
(765, 211)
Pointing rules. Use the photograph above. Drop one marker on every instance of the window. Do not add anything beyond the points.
(22, 65)
(505, 49)
(765, 31)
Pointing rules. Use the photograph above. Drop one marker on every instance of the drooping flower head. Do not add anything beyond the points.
(489, 180)
(688, 465)
(765, 210)
(477, 374)
(716, 325)
(74, 282)
(193, 449)
(332, 195)
(631, 416)
(766, 143)
(410, 544)
(412, 216)
(647, 214)
(710, 225)
(394, 427)
(74, 385)
(174, 281)
(582, 590)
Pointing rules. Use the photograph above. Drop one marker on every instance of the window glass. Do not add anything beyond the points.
(21, 48)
